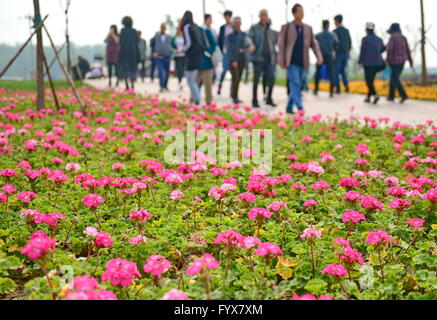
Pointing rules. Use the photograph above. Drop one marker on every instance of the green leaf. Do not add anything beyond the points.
(316, 286)
(7, 286)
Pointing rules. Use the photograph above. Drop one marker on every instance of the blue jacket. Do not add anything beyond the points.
(257, 35)
(222, 37)
(206, 62)
(328, 42)
(235, 42)
(372, 48)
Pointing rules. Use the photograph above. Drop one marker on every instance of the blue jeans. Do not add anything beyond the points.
(163, 71)
(295, 77)
(340, 69)
(195, 90)
(226, 66)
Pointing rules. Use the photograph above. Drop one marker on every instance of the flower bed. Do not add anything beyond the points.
(413, 90)
(90, 209)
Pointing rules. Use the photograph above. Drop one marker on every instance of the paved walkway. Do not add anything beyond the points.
(411, 112)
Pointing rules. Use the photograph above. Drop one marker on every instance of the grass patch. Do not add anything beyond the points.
(30, 85)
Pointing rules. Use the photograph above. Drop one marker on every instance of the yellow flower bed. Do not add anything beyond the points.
(382, 87)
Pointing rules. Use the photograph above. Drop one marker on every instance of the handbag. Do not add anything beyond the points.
(217, 56)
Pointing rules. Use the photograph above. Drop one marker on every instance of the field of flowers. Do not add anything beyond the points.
(90, 210)
(413, 90)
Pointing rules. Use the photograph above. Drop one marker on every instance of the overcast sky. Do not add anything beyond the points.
(90, 19)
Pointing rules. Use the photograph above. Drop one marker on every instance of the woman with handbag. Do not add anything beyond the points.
(371, 59)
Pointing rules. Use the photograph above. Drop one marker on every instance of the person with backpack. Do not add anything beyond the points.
(371, 60)
(239, 45)
(398, 52)
(194, 48)
(342, 54)
(328, 42)
(206, 69)
(264, 57)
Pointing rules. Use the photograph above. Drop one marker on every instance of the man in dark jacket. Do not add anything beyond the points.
(225, 30)
(238, 45)
(371, 59)
(328, 42)
(264, 57)
(342, 53)
(129, 52)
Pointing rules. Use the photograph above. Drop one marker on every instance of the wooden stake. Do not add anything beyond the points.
(39, 59)
(67, 74)
(9, 64)
(423, 45)
(52, 86)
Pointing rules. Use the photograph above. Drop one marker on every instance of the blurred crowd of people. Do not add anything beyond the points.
(204, 57)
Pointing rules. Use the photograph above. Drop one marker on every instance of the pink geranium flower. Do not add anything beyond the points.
(259, 214)
(311, 234)
(378, 237)
(93, 200)
(174, 295)
(353, 216)
(268, 249)
(157, 265)
(206, 262)
(335, 270)
(103, 240)
(120, 272)
(38, 247)
(415, 223)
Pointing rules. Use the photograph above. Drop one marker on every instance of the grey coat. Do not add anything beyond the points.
(257, 35)
(163, 48)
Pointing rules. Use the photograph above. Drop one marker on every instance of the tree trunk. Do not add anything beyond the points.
(39, 59)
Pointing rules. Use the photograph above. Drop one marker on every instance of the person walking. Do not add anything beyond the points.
(398, 52)
(129, 53)
(179, 57)
(163, 52)
(238, 45)
(264, 57)
(152, 59)
(328, 42)
(112, 51)
(342, 54)
(142, 47)
(206, 68)
(294, 42)
(225, 30)
(194, 47)
(371, 59)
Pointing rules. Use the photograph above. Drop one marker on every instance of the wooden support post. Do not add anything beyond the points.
(9, 64)
(52, 85)
(39, 59)
(423, 46)
(67, 74)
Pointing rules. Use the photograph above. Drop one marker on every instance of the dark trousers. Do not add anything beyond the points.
(142, 70)
(236, 74)
(180, 68)
(341, 61)
(370, 75)
(112, 67)
(152, 68)
(163, 71)
(395, 82)
(329, 62)
(267, 69)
